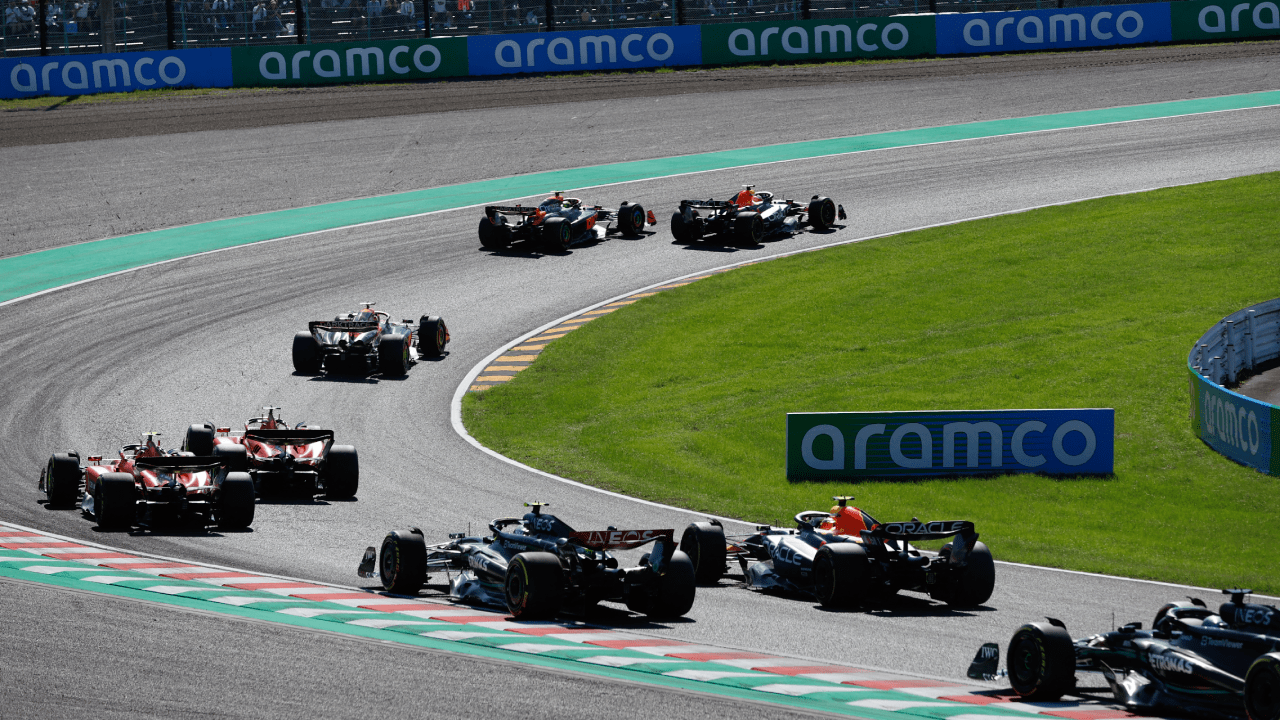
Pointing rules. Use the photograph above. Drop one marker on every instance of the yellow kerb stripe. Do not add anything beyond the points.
(529, 347)
(517, 358)
(622, 302)
(508, 368)
(496, 378)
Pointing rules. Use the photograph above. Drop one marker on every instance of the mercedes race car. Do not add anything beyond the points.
(280, 458)
(367, 341)
(536, 566)
(846, 558)
(1192, 661)
(558, 223)
(151, 487)
(751, 216)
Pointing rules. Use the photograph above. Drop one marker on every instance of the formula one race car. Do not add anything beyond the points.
(149, 486)
(751, 217)
(280, 458)
(1193, 661)
(558, 223)
(537, 565)
(846, 558)
(366, 341)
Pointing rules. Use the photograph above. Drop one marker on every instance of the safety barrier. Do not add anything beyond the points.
(1239, 427)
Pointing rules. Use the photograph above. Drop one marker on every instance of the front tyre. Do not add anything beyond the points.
(1041, 662)
(235, 507)
(402, 564)
(306, 354)
(393, 355)
(1262, 688)
(433, 336)
(557, 235)
(822, 213)
(534, 586)
(977, 580)
(674, 590)
(839, 574)
(630, 219)
(748, 228)
(705, 546)
(341, 472)
(62, 480)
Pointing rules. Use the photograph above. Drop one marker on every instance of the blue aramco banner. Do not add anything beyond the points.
(116, 72)
(850, 445)
(1078, 27)
(584, 50)
(1234, 425)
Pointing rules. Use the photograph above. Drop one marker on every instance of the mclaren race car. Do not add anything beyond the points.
(1192, 661)
(280, 458)
(558, 223)
(751, 216)
(151, 487)
(536, 566)
(846, 558)
(367, 341)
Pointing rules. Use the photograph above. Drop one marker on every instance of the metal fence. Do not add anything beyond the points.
(98, 26)
(1237, 343)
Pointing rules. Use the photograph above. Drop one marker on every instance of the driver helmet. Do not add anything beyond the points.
(745, 197)
(150, 448)
(845, 521)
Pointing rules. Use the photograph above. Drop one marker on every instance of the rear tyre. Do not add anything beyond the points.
(557, 235)
(675, 589)
(235, 457)
(494, 237)
(1262, 688)
(822, 213)
(977, 580)
(306, 354)
(630, 219)
(393, 355)
(839, 574)
(535, 586)
(432, 336)
(1041, 662)
(235, 507)
(199, 440)
(115, 502)
(748, 228)
(705, 545)
(62, 480)
(341, 472)
(403, 562)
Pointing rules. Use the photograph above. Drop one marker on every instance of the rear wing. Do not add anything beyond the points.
(188, 463)
(708, 204)
(342, 325)
(620, 539)
(298, 436)
(920, 531)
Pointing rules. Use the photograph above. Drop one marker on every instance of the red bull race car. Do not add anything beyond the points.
(150, 487)
(536, 566)
(367, 341)
(282, 459)
(751, 216)
(559, 223)
(846, 558)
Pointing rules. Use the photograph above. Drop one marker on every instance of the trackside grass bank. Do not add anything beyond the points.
(681, 397)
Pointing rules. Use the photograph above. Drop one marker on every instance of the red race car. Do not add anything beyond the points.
(149, 486)
(280, 458)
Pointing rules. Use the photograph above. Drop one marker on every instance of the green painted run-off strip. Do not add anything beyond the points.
(35, 272)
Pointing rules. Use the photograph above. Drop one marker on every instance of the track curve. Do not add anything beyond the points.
(205, 339)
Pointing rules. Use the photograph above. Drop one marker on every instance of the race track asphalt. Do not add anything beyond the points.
(95, 365)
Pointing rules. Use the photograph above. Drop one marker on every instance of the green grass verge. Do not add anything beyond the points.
(681, 397)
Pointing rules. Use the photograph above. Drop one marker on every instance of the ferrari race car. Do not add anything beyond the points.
(149, 486)
(558, 223)
(537, 566)
(1192, 660)
(751, 217)
(367, 341)
(846, 558)
(282, 459)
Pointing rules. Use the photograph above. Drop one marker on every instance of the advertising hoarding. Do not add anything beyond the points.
(902, 36)
(114, 72)
(349, 62)
(1218, 20)
(1078, 27)
(585, 50)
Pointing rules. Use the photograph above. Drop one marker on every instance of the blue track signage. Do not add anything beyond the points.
(117, 72)
(949, 442)
(584, 50)
(1077, 27)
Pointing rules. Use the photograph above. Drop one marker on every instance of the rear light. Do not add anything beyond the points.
(225, 430)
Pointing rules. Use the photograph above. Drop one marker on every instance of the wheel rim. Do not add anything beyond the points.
(828, 213)
(389, 564)
(439, 337)
(564, 235)
(1264, 701)
(515, 587)
(404, 356)
(1024, 661)
(757, 229)
(823, 579)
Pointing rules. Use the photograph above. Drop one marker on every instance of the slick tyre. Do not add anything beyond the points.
(704, 544)
(977, 580)
(1262, 688)
(822, 213)
(557, 235)
(840, 573)
(534, 586)
(199, 440)
(341, 472)
(393, 355)
(494, 237)
(433, 336)
(235, 507)
(686, 231)
(115, 502)
(674, 590)
(306, 354)
(235, 457)
(630, 219)
(1041, 662)
(748, 228)
(62, 480)
(402, 563)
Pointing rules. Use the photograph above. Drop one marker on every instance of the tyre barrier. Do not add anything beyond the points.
(1236, 426)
